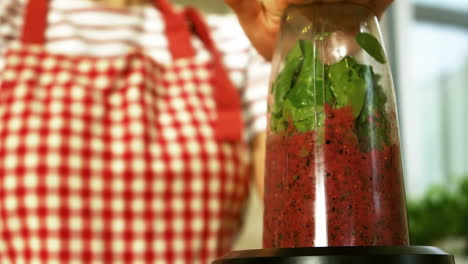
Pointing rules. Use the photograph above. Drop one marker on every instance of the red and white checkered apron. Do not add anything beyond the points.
(119, 160)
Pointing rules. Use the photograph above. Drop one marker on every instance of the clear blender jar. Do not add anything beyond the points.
(333, 162)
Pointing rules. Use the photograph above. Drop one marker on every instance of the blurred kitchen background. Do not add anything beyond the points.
(427, 41)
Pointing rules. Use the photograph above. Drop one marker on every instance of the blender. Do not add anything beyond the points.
(334, 188)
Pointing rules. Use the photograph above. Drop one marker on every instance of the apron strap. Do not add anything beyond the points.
(35, 22)
(229, 125)
(177, 31)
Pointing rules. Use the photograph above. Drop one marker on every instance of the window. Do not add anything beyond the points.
(449, 4)
(430, 40)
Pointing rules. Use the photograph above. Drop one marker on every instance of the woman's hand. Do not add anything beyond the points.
(261, 18)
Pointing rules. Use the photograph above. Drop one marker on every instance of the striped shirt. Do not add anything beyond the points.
(81, 27)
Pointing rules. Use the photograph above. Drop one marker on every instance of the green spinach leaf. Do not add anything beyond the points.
(372, 46)
(372, 125)
(299, 88)
(347, 85)
(286, 78)
(302, 94)
(306, 84)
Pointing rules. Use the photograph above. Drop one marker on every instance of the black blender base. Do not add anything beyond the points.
(340, 255)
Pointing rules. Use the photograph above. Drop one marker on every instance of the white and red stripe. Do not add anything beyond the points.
(86, 28)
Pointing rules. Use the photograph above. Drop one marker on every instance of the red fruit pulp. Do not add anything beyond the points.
(363, 202)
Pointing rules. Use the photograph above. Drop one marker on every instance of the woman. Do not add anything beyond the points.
(121, 130)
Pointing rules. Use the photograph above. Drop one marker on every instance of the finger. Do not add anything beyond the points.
(253, 20)
(275, 7)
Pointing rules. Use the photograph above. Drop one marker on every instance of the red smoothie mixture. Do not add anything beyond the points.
(365, 204)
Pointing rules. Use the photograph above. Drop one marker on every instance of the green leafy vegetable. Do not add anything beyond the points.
(305, 125)
(372, 124)
(286, 78)
(305, 89)
(372, 46)
(301, 94)
(306, 85)
(282, 86)
(304, 118)
(348, 86)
